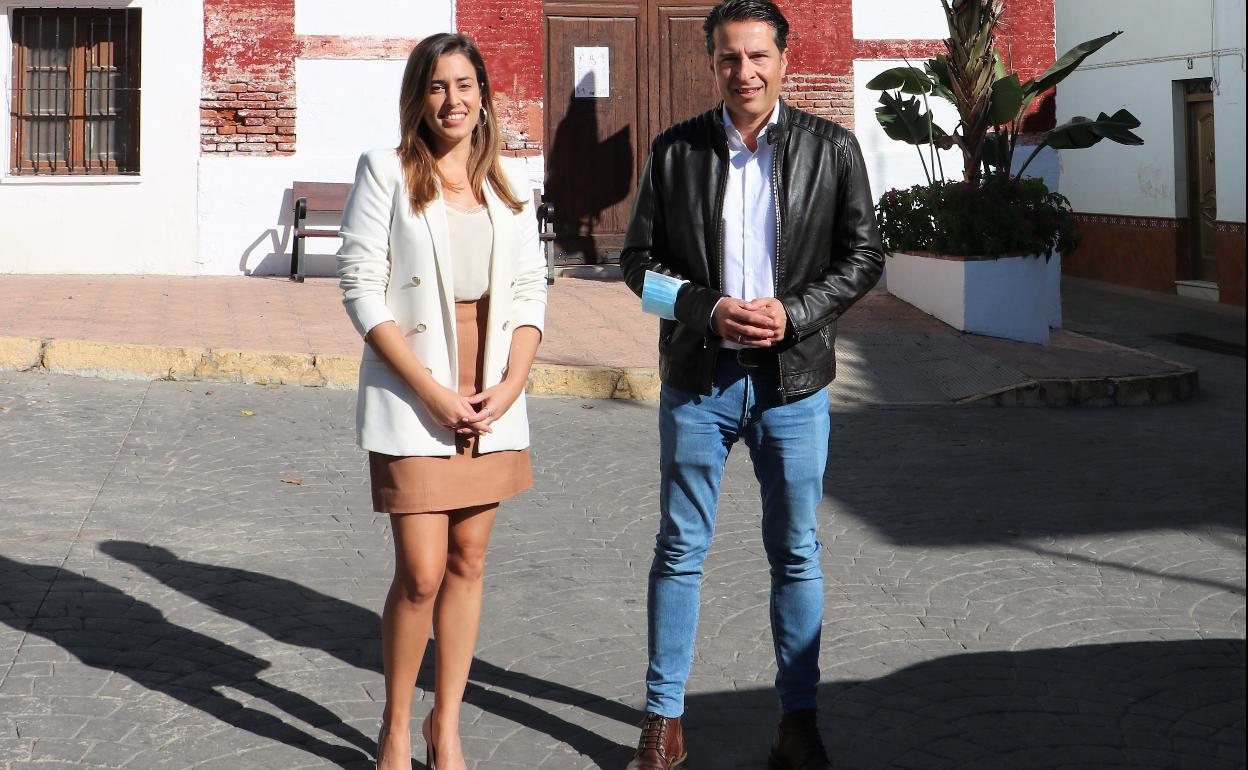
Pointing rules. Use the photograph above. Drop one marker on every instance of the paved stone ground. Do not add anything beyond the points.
(1006, 588)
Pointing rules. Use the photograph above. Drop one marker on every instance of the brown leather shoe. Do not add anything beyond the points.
(798, 745)
(662, 745)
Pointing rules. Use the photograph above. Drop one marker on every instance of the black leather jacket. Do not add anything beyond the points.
(828, 251)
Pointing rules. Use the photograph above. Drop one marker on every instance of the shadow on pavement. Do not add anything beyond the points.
(940, 478)
(297, 615)
(107, 629)
(1138, 704)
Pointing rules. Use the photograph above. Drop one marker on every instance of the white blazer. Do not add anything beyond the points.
(395, 265)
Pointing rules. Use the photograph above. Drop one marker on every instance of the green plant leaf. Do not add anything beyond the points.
(1080, 132)
(938, 70)
(910, 80)
(998, 65)
(1007, 99)
(1117, 127)
(1067, 64)
(904, 121)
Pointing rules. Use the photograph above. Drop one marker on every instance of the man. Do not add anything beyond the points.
(766, 212)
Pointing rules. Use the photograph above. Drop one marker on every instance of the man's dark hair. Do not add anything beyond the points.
(746, 10)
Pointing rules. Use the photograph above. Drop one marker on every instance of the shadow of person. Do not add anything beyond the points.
(295, 614)
(107, 629)
(586, 176)
(1136, 704)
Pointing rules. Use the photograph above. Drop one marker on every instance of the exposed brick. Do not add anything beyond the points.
(828, 96)
(286, 146)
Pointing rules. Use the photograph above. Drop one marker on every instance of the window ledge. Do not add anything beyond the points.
(67, 179)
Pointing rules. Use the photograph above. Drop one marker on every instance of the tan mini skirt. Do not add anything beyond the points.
(466, 479)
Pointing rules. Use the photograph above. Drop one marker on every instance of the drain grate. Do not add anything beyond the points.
(1201, 342)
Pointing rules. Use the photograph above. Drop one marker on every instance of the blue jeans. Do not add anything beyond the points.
(789, 449)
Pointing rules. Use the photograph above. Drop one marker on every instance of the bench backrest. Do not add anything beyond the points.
(322, 196)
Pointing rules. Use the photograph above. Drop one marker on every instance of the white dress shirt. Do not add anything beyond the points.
(749, 217)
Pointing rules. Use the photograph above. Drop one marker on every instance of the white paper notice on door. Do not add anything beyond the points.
(592, 71)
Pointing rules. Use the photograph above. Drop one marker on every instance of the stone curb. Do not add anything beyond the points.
(121, 361)
(1129, 390)
(1141, 390)
(124, 361)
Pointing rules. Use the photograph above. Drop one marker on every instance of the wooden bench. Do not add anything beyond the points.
(546, 233)
(331, 197)
(316, 198)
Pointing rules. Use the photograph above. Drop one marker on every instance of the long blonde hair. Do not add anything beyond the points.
(415, 153)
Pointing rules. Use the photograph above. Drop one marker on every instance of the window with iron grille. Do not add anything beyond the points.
(75, 106)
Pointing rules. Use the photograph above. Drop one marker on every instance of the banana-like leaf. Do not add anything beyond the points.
(1080, 132)
(910, 80)
(998, 65)
(1007, 99)
(1122, 117)
(904, 121)
(938, 70)
(1067, 64)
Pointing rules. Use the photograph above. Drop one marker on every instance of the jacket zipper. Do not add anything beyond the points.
(719, 246)
(777, 158)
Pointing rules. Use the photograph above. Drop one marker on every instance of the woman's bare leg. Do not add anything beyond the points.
(420, 556)
(456, 618)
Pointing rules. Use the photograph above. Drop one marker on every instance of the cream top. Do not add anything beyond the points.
(472, 242)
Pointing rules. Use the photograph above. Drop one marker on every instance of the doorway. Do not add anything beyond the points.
(1202, 189)
(617, 73)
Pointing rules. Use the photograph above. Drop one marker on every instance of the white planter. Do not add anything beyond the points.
(1018, 298)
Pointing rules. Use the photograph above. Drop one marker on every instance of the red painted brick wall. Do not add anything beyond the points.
(828, 96)
(247, 99)
(509, 34)
(1027, 39)
(821, 40)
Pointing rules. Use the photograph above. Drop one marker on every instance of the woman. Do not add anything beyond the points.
(442, 273)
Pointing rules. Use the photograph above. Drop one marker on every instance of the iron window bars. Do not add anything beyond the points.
(75, 106)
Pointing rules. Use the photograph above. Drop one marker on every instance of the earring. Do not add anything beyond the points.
(482, 118)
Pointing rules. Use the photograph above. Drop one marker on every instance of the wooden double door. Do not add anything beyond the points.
(617, 73)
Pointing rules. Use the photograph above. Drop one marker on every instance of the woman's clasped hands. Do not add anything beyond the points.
(472, 415)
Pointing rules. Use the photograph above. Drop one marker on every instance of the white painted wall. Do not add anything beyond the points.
(899, 19)
(1018, 298)
(123, 224)
(376, 18)
(245, 203)
(892, 164)
(1138, 71)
